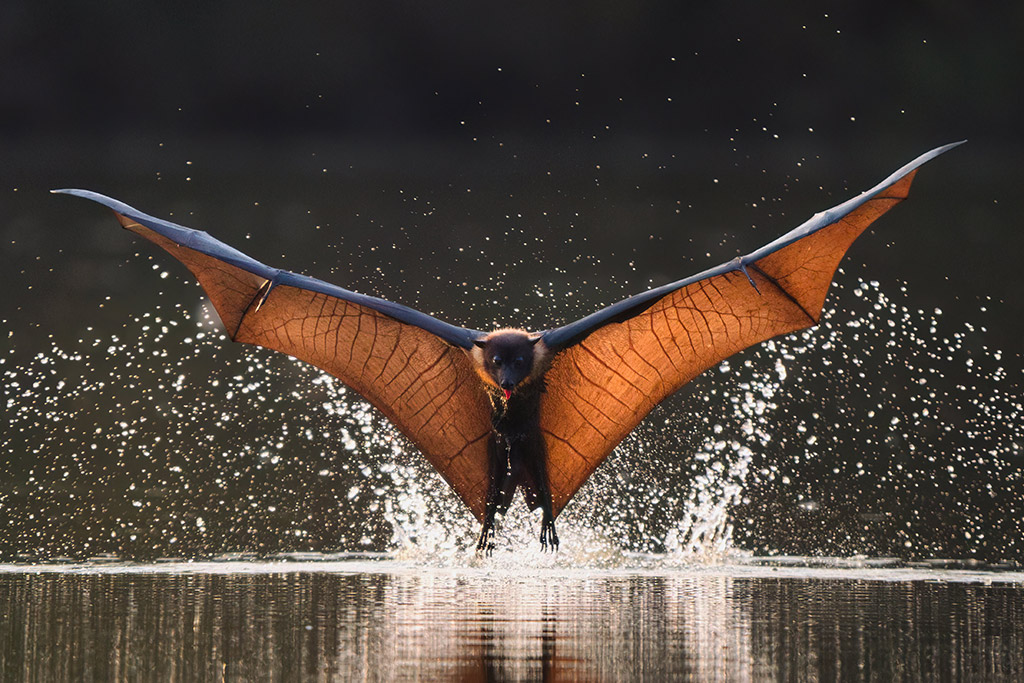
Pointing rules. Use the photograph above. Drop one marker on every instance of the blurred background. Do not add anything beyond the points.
(513, 164)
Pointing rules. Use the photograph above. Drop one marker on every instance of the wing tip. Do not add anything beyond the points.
(942, 149)
(109, 202)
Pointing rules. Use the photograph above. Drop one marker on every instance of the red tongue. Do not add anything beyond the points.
(508, 394)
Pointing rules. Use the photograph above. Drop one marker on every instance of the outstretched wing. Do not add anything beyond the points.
(612, 367)
(409, 365)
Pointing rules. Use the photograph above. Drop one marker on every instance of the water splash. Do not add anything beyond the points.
(855, 437)
(899, 434)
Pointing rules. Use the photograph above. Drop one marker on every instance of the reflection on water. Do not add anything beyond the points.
(386, 621)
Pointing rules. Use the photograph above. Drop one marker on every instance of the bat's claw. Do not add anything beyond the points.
(743, 268)
(485, 544)
(548, 537)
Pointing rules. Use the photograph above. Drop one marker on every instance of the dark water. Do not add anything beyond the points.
(388, 620)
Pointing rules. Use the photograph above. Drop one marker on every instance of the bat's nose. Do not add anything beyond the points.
(507, 384)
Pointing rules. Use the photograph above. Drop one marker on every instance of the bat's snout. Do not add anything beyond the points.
(507, 384)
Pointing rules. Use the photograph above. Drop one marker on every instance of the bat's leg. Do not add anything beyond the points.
(497, 497)
(539, 470)
(485, 543)
(548, 537)
(499, 493)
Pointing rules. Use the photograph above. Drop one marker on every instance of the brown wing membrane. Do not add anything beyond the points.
(425, 386)
(600, 388)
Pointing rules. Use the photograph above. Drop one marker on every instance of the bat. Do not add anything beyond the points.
(495, 412)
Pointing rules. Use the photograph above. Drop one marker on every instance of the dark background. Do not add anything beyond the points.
(491, 164)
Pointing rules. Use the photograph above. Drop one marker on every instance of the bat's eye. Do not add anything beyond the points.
(497, 361)
(519, 360)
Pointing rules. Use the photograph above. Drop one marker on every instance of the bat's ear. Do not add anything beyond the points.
(481, 342)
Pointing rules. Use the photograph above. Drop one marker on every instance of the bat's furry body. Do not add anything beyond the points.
(493, 412)
(512, 364)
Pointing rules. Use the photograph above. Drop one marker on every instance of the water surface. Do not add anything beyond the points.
(378, 618)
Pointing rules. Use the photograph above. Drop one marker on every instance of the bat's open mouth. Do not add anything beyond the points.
(508, 394)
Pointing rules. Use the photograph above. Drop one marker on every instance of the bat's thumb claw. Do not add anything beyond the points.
(742, 267)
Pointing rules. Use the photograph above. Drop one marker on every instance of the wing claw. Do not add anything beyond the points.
(742, 267)
(264, 291)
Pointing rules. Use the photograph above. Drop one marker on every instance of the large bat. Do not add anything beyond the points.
(496, 411)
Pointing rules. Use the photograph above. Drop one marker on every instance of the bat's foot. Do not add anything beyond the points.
(485, 544)
(548, 537)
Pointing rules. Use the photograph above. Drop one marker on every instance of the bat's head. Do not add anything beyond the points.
(509, 358)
